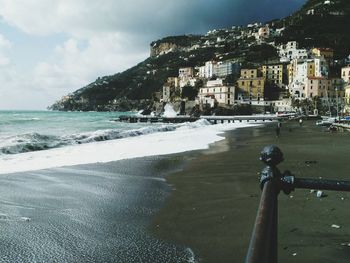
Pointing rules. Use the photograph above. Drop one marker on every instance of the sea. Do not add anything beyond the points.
(71, 189)
(34, 140)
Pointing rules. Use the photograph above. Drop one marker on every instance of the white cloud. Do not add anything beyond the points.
(101, 37)
(5, 44)
(73, 66)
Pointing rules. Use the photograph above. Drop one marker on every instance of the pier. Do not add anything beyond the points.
(211, 119)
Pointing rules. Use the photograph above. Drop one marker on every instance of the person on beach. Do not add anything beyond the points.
(300, 122)
(278, 130)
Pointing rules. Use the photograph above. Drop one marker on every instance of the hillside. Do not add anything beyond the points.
(135, 87)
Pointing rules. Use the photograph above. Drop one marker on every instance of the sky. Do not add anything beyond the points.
(51, 48)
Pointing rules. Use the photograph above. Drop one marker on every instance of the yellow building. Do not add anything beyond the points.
(327, 53)
(251, 85)
(273, 73)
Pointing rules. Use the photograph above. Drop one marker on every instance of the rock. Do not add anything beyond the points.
(320, 194)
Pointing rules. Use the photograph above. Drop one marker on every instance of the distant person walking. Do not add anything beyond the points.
(278, 129)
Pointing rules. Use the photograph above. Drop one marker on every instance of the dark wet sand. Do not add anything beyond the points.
(215, 198)
(87, 213)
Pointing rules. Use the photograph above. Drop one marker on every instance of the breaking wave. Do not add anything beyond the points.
(36, 142)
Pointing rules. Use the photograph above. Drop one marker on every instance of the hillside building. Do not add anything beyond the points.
(171, 89)
(290, 51)
(275, 73)
(345, 74)
(219, 92)
(251, 85)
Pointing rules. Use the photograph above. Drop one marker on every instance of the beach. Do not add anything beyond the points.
(195, 206)
(213, 205)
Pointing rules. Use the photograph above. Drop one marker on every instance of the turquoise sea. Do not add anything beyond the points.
(26, 131)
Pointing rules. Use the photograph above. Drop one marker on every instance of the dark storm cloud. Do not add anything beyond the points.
(160, 18)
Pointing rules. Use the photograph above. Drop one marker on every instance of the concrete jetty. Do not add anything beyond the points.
(212, 119)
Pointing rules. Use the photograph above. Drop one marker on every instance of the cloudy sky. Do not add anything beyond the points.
(49, 48)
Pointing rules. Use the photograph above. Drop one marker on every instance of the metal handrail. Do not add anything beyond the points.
(263, 242)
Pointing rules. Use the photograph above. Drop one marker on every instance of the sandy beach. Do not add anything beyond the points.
(87, 213)
(214, 200)
(194, 206)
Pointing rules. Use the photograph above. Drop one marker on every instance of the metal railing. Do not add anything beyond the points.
(263, 242)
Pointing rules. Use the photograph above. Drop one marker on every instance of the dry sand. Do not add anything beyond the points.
(215, 198)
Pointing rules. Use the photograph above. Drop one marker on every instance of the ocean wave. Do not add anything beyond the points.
(36, 142)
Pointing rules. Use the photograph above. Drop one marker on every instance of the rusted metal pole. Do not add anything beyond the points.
(321, 184)
(263, 243)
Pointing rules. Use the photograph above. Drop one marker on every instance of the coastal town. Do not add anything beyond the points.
(306, 80)
(274, 66)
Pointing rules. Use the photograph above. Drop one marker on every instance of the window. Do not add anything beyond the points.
(242, 82)
(228, 95)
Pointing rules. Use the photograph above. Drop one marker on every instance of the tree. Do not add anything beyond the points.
(189, 92)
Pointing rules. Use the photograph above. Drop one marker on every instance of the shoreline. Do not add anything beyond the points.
(155, 141)
(214, 201)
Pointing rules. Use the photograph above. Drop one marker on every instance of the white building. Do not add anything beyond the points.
(207, 71)
(345, 74)
(290, 51)
(321, 67)
(185, 73)
(215, 89)
(225, 68)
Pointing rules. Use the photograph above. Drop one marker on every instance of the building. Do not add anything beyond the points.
(298, 72)
(224, 68)
(251, 85)
(329, 90)
(290, 51)
(318, 87)
(264, 32)
(347, 99)
(345, 74)
(207, 71)
(218, 69)
(327, 53)
(321, 67)
(274, 73)
(215, 89)
(171, 89)
(186, 73)
(186, 77)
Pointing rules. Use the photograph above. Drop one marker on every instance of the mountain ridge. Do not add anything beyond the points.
(134, 88)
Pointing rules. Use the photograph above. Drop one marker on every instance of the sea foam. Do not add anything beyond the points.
(149, 142)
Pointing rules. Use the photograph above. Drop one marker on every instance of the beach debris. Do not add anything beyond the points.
(294, 254)
(311, 162)
(320, 194)
(293, 230)
(335, 226)
(345, 244)
(291, 196)
(312, 191)
(342, 198)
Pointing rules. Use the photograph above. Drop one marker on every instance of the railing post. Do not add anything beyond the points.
(263, 243)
